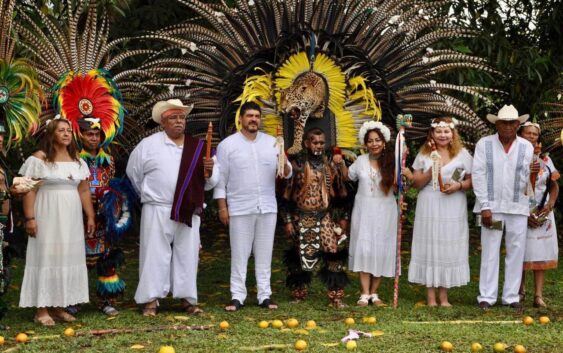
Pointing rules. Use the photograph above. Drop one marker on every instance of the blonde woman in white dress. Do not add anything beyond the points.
(373, 228)
(55, 269)
(440, 241)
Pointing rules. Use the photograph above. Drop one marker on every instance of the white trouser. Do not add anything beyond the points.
(252, 233)
(515, 227)
(169, 256)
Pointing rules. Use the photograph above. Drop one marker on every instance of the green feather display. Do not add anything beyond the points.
(22, 107)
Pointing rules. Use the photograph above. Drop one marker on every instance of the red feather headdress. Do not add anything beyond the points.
(93, 94)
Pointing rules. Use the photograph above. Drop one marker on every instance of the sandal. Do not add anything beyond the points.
(190, 308)
(374, 298)
(150, 309)
(364, 300)
(268, 304)
(109, 310)
(338, 304)
(538, 302)
(44, 320)
(73, 309)
(62, 315)
(234, 305)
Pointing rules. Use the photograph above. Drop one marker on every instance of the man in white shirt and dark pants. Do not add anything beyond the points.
(167, 171)
(246, 199)
(501, 172)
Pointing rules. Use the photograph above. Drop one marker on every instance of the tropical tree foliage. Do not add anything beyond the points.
(522, 39)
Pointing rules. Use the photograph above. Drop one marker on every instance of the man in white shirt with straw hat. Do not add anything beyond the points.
(167, 170)
(501, 171)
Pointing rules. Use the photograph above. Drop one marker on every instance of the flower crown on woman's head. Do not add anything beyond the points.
(529, 123)
(57, 117)
(370, 125)
(434, 124)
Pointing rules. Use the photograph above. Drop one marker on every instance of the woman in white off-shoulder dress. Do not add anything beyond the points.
(440, 240)
(373, 228)
(55, 271)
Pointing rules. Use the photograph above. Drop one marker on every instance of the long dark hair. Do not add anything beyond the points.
(386, 162)
(48, 142)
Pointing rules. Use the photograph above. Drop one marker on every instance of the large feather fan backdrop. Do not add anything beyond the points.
(373, 59)
(20, 91)
(83, 72)
(552, 126)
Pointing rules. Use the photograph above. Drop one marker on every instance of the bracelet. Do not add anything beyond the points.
(27, 219)
(222, 209)
(461, 185)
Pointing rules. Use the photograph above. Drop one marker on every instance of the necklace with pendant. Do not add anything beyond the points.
(373, 177)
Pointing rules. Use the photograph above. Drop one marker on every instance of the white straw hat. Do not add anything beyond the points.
(507, 113)
(162, 106)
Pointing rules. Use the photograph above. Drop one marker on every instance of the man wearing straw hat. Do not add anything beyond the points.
(167, 169)
(501, 170)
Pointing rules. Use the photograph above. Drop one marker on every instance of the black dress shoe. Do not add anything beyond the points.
(485, 306)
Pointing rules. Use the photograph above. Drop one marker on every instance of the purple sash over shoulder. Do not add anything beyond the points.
(189, 194)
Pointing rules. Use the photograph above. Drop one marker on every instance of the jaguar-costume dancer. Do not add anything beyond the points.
(314, 236)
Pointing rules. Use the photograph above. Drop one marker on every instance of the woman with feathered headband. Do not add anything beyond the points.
(440, 241)
(372, 239)
(541, 240)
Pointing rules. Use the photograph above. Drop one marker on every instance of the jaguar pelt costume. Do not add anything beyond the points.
(307, 200)
(305, 98)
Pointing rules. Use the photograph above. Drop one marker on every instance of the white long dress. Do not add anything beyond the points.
(55, 268)
(373, 229)
(440, 240)
(541, 243)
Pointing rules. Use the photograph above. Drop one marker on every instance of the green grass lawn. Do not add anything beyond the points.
(410, 328)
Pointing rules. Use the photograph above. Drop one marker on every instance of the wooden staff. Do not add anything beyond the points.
(114, 331)
(281, 152)
(143, 329)
(208, 147)
(463, 322)
(401, 153)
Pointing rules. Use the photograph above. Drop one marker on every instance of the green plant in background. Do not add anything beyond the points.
(522, 39)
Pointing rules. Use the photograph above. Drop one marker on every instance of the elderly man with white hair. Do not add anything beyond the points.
(167, 170)
(501, 171)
